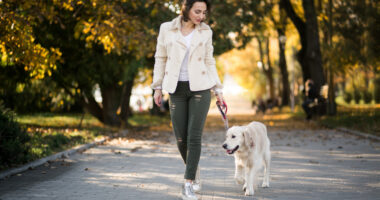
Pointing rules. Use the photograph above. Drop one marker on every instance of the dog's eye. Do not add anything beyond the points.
(233, 136)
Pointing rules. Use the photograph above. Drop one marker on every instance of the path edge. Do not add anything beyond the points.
(358, 133)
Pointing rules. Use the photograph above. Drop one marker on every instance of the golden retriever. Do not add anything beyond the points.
(251, 147)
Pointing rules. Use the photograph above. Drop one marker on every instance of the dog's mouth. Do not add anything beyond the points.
(231, 151)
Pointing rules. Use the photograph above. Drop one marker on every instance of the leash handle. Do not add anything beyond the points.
(222, 106)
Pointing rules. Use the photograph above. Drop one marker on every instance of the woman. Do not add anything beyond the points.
(185, 68)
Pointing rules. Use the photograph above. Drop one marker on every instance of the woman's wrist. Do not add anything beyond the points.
(217, 91)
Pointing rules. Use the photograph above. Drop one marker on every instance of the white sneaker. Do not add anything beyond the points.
(188, 192)
(197, 182)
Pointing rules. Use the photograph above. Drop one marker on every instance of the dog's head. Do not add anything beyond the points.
(235, 138)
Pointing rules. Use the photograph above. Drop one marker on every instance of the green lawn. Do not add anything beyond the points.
(362, 118)
(51, 133)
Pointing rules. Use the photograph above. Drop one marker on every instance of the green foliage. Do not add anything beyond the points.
(35, 95)
(14, 140)
(355, 32)
(239, 18)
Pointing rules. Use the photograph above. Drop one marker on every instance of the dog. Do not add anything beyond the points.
(251, 147)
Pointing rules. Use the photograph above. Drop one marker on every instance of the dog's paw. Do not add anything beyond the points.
(239, 180)
(265, 185)
(249, 192)
(244, 188)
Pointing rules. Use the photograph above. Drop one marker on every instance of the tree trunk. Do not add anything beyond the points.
(125, 100)
(111, 102)
(301, 28)
(89, 103)
(377, 85)
(266, 67)
(284, 86)
(283, 68)
(313, 52)
(331, 109)
(310, 55)
(269, 72)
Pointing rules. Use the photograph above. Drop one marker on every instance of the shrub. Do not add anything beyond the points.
(357, 96)
(347, 97)
(14, 148)
(377, 90)
(367, 97)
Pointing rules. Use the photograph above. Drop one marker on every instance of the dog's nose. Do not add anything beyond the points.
(225, 146)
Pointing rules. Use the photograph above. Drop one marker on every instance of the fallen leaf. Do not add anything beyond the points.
(313, 162)
(359, 156)
(135, 149)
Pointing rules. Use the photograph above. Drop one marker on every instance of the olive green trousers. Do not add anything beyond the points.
(188, 111)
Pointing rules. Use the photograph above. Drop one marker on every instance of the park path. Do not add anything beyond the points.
(306, 164)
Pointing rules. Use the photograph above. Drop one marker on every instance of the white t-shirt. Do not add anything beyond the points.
(183, 73)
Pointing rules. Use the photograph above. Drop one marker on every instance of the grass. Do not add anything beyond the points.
(51, 133)
(149, 121)
(362, 118)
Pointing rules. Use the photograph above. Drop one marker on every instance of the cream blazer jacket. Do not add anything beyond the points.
(170, 52)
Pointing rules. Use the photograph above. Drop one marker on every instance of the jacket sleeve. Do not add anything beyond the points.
(160, 60)
(210, 63)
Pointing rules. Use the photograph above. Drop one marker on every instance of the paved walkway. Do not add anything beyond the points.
(320, 164)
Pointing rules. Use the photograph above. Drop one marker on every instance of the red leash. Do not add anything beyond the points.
(223, 111)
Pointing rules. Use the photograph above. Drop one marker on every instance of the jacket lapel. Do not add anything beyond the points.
(197, 37)
(180, 39)
(196, 41)
(176, 27)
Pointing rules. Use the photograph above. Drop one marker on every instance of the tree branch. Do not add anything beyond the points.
(297, 21)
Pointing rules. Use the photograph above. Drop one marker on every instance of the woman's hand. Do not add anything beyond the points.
(157, 97)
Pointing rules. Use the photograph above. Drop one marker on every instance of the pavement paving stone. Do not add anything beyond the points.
(306, 164)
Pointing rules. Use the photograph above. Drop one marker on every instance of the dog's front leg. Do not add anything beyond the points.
(249, 178)
(239, 172)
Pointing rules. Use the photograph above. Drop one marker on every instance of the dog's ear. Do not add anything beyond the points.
(248, 139)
